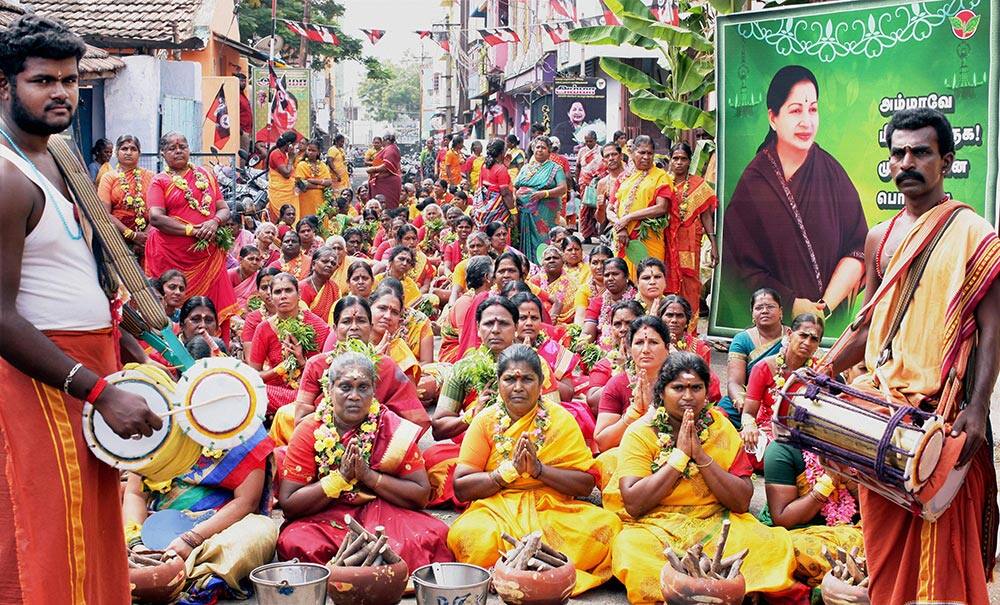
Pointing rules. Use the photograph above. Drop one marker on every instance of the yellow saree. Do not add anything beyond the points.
(411, 291)
(690, 513)
(579, 529)
(638, 192)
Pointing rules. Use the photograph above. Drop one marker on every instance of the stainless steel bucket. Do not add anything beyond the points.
(451, 584)
(290, 583)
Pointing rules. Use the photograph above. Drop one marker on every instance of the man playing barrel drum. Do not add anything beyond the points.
(918, 353)
(61, 538)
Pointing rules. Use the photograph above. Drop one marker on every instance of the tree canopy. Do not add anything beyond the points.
(397, 95)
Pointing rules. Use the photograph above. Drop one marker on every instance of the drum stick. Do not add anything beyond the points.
(197, 405)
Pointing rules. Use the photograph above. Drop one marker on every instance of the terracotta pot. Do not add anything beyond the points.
(517, 587)
(157, 583)
(372, 585)
(681, 589)
(838, 592)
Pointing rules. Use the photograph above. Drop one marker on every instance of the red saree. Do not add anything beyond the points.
(691, 199)
(392, 388)
(61, 535)
(416, 536)
(388, 184)
(204, 270)
(266, 347)
(320, 303)
(243, 289)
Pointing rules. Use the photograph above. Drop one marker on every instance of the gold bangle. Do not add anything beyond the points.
(189, 230)
(377, 480)
(128, 234)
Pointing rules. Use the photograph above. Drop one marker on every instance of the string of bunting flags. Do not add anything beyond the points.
(664, 11)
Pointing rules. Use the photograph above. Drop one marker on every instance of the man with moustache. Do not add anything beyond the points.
(61, 535)
(956, 305)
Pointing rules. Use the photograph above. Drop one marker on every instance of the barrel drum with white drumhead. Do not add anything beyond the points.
(894, 448)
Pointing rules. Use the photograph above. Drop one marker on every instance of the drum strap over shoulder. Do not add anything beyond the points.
(909, 286)
(114, 258)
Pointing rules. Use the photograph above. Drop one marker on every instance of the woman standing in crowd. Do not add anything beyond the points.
(312, 179)
(539, 188)
(293, 260)
(495, 200)
(123, 192)
(186, 210)
(280, 177)
(641, 207)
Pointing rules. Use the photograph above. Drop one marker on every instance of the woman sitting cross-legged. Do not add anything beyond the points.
(355, 456)
(285, 341)
(522, 465)
(228, 543)
(682, 470)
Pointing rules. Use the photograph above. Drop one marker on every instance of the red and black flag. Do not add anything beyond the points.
(665, 11)
(564, 8)
(218, 113)
(374, 35)
(499, 35)
(315, 33)
(609, 17)
(559, 32)
(442, 39)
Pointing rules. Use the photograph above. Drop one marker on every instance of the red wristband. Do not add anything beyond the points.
(95, 392)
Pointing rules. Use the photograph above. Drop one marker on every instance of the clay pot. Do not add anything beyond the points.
(517, 587)
(838, 592)
(371, 585)
(157, 583)
(682, 589)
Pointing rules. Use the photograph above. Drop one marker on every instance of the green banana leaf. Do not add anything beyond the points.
(611, 35)
(672, 113)
(630, 77)
(674, 36)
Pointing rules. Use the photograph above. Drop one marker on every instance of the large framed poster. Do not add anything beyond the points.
(804, 95)
(287, 101)
(579, 106)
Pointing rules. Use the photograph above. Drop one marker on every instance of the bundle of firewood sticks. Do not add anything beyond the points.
(531, 554)
(148, 558)
(361, 548)
(848, 566)
(696, 563)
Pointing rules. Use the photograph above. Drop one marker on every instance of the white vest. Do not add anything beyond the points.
(59, 287)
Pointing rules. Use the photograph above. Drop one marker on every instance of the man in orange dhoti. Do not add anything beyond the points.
(61, 536)
(910, 559)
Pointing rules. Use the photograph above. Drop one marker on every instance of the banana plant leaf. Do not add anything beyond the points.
(630, 77)
(611, 35)
(674, 36)
(673, 114)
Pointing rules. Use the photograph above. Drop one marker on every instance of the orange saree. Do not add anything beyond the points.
(691, 199)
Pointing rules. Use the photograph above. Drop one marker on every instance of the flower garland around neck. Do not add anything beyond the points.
(330, 445)
(133, 196)
(681, 344)
(505, 444)
(781, 368)
(604, 319)
(665, 437)
(305, 335)
(205, 204)
(840, 507)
